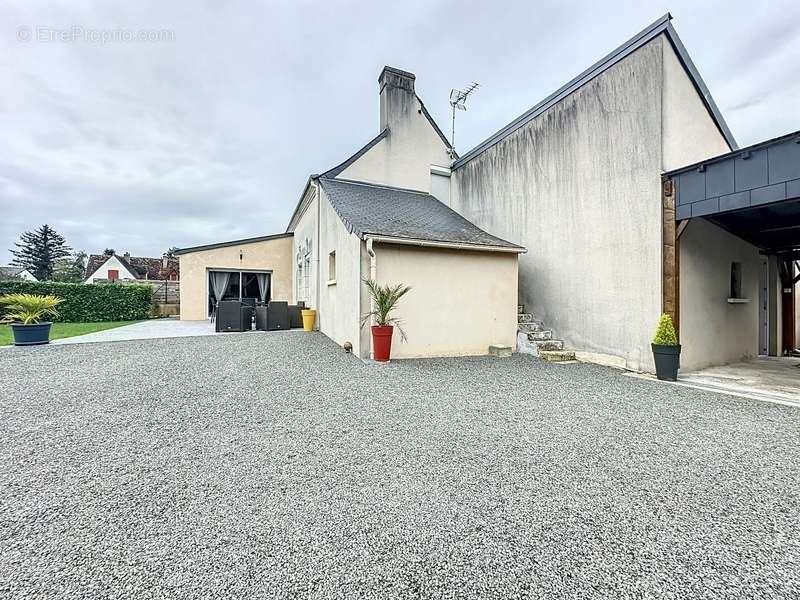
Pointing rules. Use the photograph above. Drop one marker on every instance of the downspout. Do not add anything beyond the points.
(316, 261)
(373, 269)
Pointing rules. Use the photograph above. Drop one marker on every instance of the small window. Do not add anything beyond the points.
(736, 280)
(332, 267)
(113, 274)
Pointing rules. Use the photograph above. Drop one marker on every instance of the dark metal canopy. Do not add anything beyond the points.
(754, 192)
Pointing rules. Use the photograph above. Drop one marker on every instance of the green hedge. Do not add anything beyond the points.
(85, 303)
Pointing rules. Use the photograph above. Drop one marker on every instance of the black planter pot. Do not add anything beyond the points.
(668, 361)
(31, 335)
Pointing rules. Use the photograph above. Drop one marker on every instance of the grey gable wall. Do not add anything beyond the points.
(579, 186)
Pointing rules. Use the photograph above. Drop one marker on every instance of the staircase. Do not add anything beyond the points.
(533, 338)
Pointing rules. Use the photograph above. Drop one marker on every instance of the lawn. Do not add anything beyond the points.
(64, 330)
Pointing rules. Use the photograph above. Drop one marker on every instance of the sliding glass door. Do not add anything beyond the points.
(251, 287)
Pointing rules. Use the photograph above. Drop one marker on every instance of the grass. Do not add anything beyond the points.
(64, 330)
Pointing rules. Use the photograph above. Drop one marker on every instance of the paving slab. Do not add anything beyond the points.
(144, 330)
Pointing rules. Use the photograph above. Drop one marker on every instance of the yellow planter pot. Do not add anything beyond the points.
(309, 316)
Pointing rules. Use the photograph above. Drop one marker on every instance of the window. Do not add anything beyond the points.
(307, 277)
(332, 267)
(303, 282)
(113, 274)
(736, 280)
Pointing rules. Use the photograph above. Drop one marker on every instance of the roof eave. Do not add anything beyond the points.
(642, 38)
(442, 244)
(241, 242)
(720, 157)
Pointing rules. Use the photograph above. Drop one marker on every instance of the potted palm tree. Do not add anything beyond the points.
(384, 301)
(666, 350)
(25, 313)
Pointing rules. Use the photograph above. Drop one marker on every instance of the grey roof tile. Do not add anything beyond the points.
(367, 208)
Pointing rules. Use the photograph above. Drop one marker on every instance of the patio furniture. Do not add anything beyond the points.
(232, 315)
(262, 317)
(295, 316)
(248, 313)
(277, 316)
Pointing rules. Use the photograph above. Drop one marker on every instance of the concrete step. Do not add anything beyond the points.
(520, 308)
(557, 355)
(524, 317)
(529, 327)
(540, 335)
(549, 345)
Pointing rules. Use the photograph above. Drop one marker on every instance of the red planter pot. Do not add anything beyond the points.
(382, 342)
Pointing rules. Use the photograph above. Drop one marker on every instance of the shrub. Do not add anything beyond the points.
(665, 333)
(84, 303)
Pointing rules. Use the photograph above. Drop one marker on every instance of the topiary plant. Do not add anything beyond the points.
(665, 333)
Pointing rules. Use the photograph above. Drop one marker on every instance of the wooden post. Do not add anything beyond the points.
(670, 255)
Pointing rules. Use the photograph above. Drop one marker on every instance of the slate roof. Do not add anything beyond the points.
(649, 33)
(9, 272)
(370, 209)
(142, 267)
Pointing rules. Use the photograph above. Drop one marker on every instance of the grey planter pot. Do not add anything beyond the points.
(31, 335)
(668, 361)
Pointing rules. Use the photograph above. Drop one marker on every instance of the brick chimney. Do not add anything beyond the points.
(397, 94)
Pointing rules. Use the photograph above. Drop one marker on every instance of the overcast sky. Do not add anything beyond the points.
(209, 131)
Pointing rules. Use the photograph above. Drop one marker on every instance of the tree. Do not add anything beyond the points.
(170, 253)
(71, 269)
(38, 251)
(109, 252)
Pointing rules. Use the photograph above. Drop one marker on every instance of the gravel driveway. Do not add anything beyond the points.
(275, 465)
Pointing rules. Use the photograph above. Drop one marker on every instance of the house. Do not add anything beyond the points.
(380, 214)
(612, 185)
(102, 268)
(10, 272)
(580, 180)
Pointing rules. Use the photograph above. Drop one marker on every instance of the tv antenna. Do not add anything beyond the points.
(458, 100)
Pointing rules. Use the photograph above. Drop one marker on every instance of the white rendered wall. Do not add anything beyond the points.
(579, 186)
(460, 303)
(339, 305)
(714, 332)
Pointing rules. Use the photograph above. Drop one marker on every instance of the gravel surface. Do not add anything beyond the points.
(276, 465)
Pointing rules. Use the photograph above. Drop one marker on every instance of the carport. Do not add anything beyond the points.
(749, 195)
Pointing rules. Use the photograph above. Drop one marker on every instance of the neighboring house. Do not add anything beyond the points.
(9, 272)
(101, 267)
(593, 181)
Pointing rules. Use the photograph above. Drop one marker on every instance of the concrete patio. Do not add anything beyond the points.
(763, 378)
(145, 330)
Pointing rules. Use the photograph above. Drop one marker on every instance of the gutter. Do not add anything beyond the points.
(435, 244)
